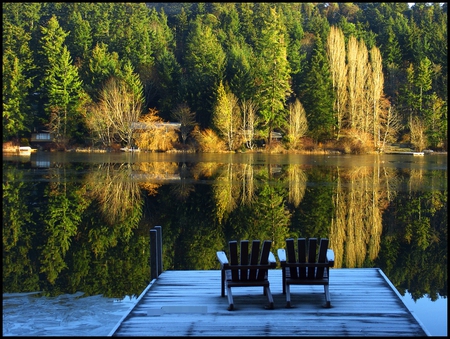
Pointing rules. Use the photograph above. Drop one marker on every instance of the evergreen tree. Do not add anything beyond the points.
(205, 65)
(79, 40)
(14, 93)
(16, 69)
(102, 65)
(61, 84)
(318, 95)
(273, 74)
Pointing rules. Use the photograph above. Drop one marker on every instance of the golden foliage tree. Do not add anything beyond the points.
(226, 117)
(153, 134)
(208, 140)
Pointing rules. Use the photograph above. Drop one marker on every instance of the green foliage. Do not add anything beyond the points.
(205, 64)
(181, 52)
(317, 96)
(272, 73)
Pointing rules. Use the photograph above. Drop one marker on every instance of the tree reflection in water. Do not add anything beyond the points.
(84, 226)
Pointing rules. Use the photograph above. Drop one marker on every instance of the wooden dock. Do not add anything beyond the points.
(188, 303)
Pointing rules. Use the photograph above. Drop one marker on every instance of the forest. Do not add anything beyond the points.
(234, 76)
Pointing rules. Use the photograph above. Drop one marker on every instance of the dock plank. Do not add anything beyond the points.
(188, 303)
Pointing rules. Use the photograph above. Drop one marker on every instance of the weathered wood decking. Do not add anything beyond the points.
(188, 303)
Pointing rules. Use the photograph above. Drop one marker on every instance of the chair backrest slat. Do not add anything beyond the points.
(244, 259)
(234, 259)
(302, 256)
(291, 257)
(264, 260)
(254, 258)
(312, 247)
(322, 257)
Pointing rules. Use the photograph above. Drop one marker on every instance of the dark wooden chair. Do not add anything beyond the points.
(306, 268)
(248, 271)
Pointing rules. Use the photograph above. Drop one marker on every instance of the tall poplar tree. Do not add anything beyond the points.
(338, 70)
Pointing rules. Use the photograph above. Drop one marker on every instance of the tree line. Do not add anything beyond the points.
(359, 75)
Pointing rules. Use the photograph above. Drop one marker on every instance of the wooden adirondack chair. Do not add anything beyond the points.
(253, 272)
(306, 268)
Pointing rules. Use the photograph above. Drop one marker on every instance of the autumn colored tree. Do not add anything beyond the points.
(227, 117)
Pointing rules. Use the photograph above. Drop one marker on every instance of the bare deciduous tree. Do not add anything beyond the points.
(418, 137)
(390, 125)
(248, 109)
(182, 113)
(298, 124)
(123, 107)
(97, 121)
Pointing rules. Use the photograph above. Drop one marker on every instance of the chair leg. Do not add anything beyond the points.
(327, 296)
(288, 295)
(269, 297)
(222, 287)
(230, 299)
(283, 273)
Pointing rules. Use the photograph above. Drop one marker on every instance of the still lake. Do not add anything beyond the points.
(79, 222)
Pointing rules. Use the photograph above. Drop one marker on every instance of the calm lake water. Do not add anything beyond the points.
(76, 225)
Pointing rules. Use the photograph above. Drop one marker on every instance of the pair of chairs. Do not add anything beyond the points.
(299, 267)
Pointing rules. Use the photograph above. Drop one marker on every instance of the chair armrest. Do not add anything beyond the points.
(222, 257)
(282, 254)
(272, 259)
(330, 257)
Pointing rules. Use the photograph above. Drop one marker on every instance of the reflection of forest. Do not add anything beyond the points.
(64, 235)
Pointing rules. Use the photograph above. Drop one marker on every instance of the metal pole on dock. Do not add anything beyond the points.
(156, 266)
(159, 244)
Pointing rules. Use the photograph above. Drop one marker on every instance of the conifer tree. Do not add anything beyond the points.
(205, 65)
(61, 84)
(273, 73)
(16, 80)
(318, 95)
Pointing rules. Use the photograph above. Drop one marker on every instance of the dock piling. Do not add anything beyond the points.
(156, 266)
